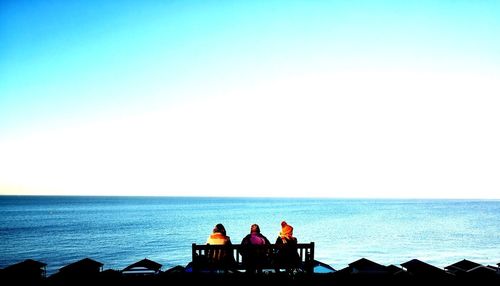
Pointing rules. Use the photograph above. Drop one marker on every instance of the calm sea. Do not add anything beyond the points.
(119, 231)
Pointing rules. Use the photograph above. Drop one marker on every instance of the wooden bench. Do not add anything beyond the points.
(206, 257)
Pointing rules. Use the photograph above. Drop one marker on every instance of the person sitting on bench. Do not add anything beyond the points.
(286, 254)
(220, 257)
(254, 257)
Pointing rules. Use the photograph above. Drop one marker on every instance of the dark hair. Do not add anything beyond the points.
(220, 228)
(255, 228)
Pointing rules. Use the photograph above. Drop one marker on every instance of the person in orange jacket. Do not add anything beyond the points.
(286, 256)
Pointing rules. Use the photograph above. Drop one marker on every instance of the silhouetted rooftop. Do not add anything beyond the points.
(418, 267)
(176, 269)
(26, 264)
(365, 265)
(86, 265)
(27, 269)
(482, 270)
(463, 265)
(143, 265)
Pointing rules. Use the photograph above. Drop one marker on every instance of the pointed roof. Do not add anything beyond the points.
(176, 269)
(84, 265)
(26, 264)
(144, 264)
(416, 266)
(463, 265)
(365, 265)
(26, 269)
(482, 270)
(494, 267)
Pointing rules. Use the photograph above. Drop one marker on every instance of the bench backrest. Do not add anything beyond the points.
(212, 255)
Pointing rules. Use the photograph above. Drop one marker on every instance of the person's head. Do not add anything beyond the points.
(255, 228)
(220, 228)
(286, 230)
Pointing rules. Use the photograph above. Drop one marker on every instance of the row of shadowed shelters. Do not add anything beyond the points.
(34, 272)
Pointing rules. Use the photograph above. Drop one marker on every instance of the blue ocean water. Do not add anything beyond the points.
(119, 231)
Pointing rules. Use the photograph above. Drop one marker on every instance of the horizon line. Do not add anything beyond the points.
(250, 197)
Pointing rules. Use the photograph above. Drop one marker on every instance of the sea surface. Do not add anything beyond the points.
(118, 231)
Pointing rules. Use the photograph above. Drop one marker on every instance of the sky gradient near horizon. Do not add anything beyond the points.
(377, 99)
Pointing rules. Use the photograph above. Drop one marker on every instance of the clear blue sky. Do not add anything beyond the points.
(250, 98)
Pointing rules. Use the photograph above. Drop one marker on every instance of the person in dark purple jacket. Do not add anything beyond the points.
(254, 256)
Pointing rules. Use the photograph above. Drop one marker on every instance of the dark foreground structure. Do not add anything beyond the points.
(147, 272)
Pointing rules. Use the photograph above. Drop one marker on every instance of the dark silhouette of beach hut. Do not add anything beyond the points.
(176, 269)
(362, 272)
(143, 267)
(461, 267)
(85, 266)
(420, 269)
(481, 275)
(482, 270)
(365, 266)
(417, 267)
(362, 266)
(82, 272)
(25, 272)
(494, 267)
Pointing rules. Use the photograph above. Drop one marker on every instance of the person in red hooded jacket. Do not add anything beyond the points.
(286, 255)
